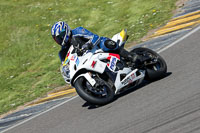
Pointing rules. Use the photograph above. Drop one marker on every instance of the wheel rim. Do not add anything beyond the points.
(101, 91)
(158, 65)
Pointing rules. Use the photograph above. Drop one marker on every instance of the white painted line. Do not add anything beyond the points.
(20, 123)
(180, 39)
(190, 33)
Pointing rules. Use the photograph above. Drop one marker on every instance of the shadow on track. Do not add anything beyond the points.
(124, 92)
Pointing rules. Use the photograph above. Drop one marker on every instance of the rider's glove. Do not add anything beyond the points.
(87, 46)
(79, 52)
(65, 73)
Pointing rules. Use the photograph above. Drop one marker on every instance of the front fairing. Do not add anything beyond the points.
(85, 63)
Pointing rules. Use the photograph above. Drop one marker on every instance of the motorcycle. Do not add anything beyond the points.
(98, 76)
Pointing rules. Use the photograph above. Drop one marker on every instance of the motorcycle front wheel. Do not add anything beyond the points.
(98, 96)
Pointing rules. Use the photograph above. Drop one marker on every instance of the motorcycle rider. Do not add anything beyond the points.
(83, 40)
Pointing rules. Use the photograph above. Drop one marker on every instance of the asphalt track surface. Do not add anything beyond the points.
(169, 105)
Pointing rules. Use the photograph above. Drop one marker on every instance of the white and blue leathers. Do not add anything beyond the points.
(88, 38)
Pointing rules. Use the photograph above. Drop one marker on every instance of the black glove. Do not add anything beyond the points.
(87, 46)
(78, 51)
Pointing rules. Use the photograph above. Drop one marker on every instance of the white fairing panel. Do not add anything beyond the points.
(89, 62)
(130, 78)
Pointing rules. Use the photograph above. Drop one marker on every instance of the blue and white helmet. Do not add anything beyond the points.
(61, 32)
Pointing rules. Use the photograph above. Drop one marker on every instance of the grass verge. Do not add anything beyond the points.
(29, 65)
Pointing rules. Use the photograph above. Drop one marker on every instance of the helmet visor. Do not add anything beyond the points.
(65, 39)
(60, 38)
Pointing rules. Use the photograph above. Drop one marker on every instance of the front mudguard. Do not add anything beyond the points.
(87, 76)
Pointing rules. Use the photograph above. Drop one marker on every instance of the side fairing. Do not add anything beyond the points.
(131, 76)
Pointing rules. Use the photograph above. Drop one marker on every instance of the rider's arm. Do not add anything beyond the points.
(63, 52)
(82, 32)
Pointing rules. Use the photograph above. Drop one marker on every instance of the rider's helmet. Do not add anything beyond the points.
(61, 32)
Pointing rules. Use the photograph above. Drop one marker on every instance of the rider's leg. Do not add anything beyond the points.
(129, 56)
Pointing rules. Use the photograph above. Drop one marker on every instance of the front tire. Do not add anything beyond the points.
(91, 97)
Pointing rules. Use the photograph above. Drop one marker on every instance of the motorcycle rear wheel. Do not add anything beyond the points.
(89, 96)
(155, 71)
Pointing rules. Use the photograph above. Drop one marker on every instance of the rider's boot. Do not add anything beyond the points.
(132, 57)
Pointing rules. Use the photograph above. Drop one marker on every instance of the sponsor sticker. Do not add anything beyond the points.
(129, 79)
(93, 64)
(113, 63)
(77, 61)
(66, 61)
(73, 58)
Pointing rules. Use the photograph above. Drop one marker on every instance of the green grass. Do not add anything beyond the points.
(29, 64)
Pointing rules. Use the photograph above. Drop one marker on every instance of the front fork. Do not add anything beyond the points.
(89, 78)
(95, 84)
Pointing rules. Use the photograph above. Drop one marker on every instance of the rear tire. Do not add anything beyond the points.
(89, 96)
(155, 71)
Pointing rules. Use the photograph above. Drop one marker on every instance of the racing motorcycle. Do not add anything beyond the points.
(98, 76)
